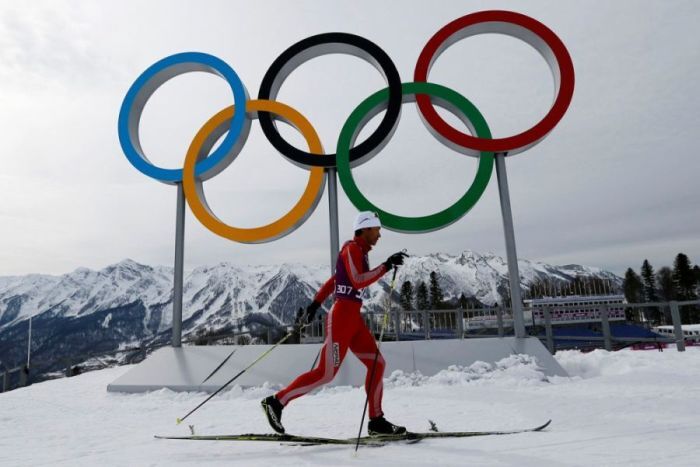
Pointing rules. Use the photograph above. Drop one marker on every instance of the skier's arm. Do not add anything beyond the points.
(325, 290)
(352, 259)
(306, 316)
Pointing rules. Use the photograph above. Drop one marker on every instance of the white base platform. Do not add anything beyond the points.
(186, 368)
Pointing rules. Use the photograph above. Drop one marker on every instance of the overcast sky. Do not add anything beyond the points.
(614, 183)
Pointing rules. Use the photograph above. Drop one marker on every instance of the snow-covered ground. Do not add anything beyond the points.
(623, 408)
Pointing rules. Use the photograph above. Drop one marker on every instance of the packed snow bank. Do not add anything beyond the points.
(604, 363)
(621, 408)
(511, 371)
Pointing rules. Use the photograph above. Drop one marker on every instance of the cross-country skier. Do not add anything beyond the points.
(345, 328)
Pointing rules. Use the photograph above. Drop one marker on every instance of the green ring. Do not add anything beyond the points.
(431, 222)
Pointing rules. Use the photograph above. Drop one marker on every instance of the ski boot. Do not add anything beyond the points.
(273, 411)
(379, 426)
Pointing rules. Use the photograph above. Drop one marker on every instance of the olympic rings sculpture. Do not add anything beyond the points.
(234, 121)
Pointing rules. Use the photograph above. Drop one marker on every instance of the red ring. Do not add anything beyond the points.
(511, 144)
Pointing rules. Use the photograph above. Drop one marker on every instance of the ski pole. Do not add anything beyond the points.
(263, 355)
(376, 355)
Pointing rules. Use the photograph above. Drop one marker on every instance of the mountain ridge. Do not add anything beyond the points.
(227, 289)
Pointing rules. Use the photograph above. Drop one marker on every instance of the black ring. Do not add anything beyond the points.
(316, 46)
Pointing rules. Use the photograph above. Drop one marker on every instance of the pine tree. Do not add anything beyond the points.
(462, 303)
(407, 296)
(667, 287)
(422, 302)
(684, 278)
(436, 297)
(649, 283)
(243, 340)
(469, 303)
(541, 288)
(696, 274)
(632, 287)
(578, 286)
(534, 289)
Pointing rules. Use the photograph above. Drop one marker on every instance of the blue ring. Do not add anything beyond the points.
(154, 77)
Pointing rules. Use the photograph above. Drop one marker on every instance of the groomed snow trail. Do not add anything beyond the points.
(623, 408)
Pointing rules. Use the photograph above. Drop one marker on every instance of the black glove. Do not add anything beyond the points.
(304, 317)
(395, 260)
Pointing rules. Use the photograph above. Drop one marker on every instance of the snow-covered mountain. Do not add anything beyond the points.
(215, 294)
(130, 303)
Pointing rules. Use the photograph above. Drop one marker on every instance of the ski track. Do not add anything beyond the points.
(622, 408)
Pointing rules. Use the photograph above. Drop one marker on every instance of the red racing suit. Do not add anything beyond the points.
(345, 328)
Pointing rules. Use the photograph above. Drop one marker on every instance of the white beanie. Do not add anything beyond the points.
(366, 219)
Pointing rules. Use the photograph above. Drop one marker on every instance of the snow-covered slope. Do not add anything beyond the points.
(485, 276)
(618, 409)
(82, 291)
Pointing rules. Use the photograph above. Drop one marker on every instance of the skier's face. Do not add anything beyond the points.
(372, 235)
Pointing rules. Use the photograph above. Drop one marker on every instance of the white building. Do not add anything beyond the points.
(575, 309)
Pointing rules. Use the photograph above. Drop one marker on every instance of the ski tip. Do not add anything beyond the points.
(178, 421)
(540, 428)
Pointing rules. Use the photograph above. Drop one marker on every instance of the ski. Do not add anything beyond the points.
(454, 434)
(297, 440)
(381, 440)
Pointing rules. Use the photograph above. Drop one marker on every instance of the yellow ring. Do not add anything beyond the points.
(194, 192)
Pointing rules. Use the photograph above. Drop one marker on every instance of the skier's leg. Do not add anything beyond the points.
(364, 347)
(338, 334)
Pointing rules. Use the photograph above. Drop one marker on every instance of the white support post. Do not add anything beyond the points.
(511, 254)
(333, 215)
(179, 267)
